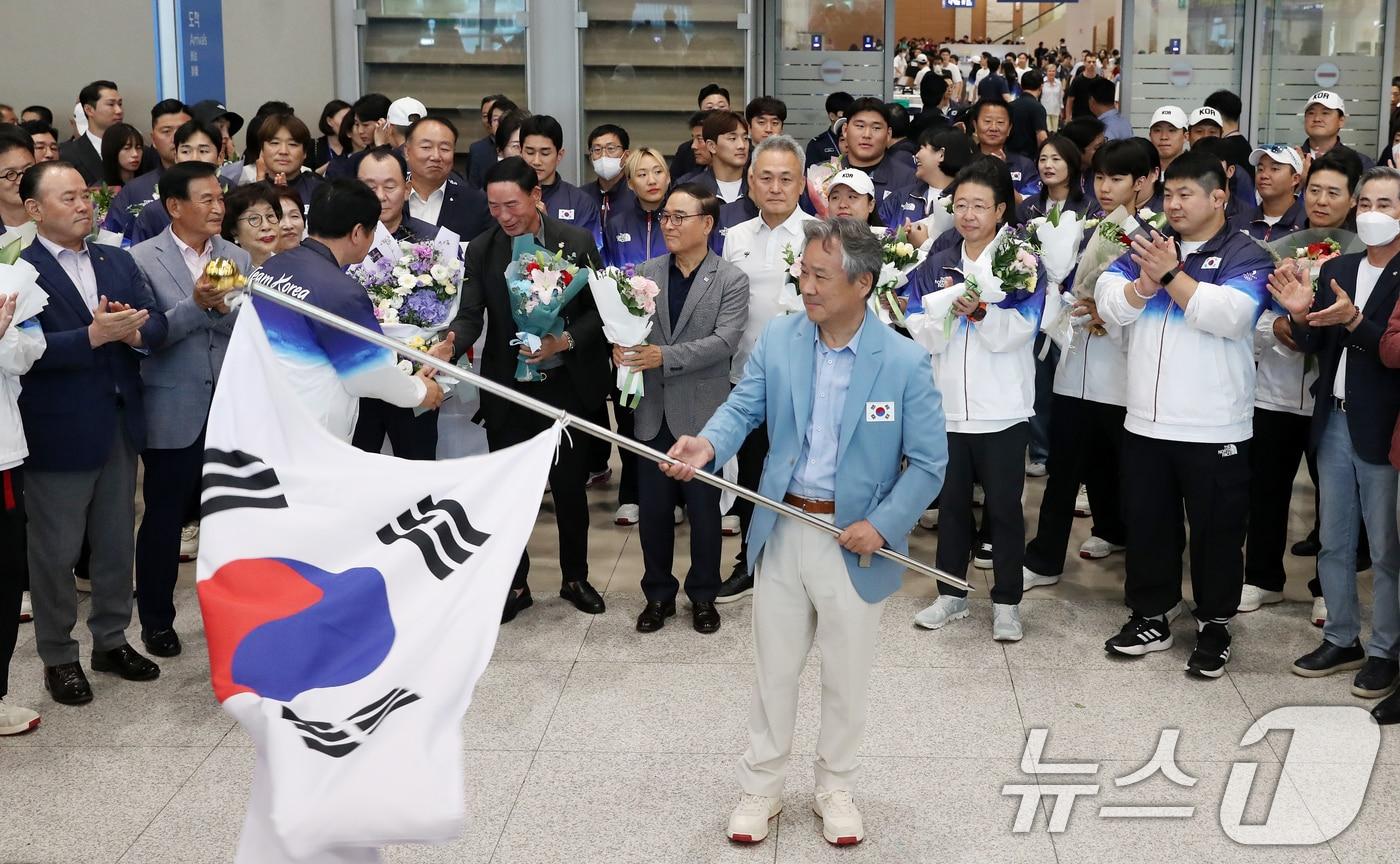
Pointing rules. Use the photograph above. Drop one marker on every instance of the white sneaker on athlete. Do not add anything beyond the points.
(729, 526)
(929, 519)
(1031, 579)
(1081, 503)
(941, 611)
(15, 720)
(1319, 612)
(1006, 622)
(1096, 547)
(749, 821)
(189, 542)
(627, 514)
(26, 608)
(1252, 597)
(841, 822)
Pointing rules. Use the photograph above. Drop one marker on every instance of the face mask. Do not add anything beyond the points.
(1376, 229)
(607, 167)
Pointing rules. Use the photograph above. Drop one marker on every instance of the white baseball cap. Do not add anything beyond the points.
(1327, 99)
(1169, 114)
(855, 179)
(1280, 153)
(1206, 115)
(402, 112)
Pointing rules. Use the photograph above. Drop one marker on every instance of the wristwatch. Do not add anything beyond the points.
(1168, 276)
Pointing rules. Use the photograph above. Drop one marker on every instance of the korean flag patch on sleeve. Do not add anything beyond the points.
(879, 412)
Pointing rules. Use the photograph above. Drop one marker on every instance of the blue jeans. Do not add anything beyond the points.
(1351, 490)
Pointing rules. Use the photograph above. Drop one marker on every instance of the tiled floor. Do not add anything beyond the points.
(588, 742)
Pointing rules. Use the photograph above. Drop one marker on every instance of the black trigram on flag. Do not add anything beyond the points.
(440, 530)
(338, 739)
(235, 479)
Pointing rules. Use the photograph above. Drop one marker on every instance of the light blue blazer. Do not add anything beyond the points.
(873, 480)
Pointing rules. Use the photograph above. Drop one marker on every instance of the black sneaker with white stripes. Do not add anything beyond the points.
(1141, 636)
(1212, 650)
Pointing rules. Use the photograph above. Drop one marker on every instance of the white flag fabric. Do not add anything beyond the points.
(351, 601)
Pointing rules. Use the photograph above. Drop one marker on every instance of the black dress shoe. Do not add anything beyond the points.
(1376, 678)
(67, 684)
(1308, 547)
(704, 617)
(584, 597)
(1328, 658)
(515, 603)
(1387, 712)
(125, 662)
(654, 616)
(738, 586)
(161, 643)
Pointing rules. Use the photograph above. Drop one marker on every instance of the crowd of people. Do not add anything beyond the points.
(1200, 371)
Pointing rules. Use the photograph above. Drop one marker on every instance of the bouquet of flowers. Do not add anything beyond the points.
(897, 257)
(818, 177)
(101, 202)
(626, 302)
(540, 284)
(1010, 278)
(790, 295)
(1112, 237)
(1057, 234)
(414, 286)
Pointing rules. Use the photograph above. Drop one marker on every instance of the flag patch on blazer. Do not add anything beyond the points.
(879, 412)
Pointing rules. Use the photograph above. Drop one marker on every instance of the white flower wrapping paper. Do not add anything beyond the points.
(21, 278)
(621, 327)
(1059, 250)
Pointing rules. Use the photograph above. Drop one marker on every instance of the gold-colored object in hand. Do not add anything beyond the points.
(224, 274)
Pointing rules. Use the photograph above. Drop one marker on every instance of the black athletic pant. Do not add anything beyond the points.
(14, 567)
(998, 460)
(411, 437)
(1210, 482)
(1280, 440)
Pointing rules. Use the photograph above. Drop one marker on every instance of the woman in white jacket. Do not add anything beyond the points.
(980, 339)
(20, 346)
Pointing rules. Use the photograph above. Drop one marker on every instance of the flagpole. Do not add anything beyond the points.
(569, 420)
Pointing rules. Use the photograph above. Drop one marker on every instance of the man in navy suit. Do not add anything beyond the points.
(439, 195)
(102, 105)
(84, 418)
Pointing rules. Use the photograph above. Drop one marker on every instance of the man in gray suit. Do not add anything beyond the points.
(179, 381)
(700, 315)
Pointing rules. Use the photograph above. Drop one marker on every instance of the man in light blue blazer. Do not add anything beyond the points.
(179, 381)
(856, 437)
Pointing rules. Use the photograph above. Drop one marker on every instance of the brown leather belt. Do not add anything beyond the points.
(808, 505)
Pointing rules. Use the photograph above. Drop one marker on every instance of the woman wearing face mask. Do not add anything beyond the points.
(941, 155)
(985, 369)
(633, 234)
(1059, 164)
(608, 147)
(253, 220)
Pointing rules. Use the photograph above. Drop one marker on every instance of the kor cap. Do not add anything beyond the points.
(855, 179)
(1169, 114)
(1206, 115)
(1327, 99)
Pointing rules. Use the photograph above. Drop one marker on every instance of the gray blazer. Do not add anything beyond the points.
(179, 378)
(693, 379)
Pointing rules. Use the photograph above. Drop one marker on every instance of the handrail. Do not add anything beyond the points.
(1005, 37)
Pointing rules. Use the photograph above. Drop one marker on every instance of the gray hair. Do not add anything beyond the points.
(781, 143)
(1380, 172)
(861, 251)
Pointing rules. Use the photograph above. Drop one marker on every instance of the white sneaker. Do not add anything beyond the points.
(1006, 622)
(1035, 469)
(679, 514)
(1319, 612)
(1096, 547)
(15, 720)
(979, 497)
(749, 821)
(841, 822)
(1081, 503)
(982, 559)
(627, 514)
(26, 609)
(729, 526)
(1252, 597)
(929, 519)
(1031, 579)
(189, 542)
(943, 610)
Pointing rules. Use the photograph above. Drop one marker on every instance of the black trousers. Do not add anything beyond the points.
(1210, 483)
(998, 460)
(567, 477)
(14, 567)
(600, 451)
(1086, 446)
(411, 437)
(659, 497)
(752, 454)
(170, 490)
(1280, 440)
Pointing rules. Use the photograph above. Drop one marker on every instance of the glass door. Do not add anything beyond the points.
(1306, 46)
(1181, 52)
(824, 46)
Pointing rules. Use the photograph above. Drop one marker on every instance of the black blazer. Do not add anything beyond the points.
(484, 291)
(1372, 390)
(464, 209)
(80, 153)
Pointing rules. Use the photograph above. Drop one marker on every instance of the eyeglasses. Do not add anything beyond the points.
(667, 217)
(978, 208)
(257, 220)
(610, 150)
(13, 175)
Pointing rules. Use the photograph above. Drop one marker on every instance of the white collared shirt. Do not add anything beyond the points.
(757, 250)
(1367, 275)
(96, 141)
(195, 262)
(78, 266)
(428, 209)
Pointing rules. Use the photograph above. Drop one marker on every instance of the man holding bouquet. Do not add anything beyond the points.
(570, 367)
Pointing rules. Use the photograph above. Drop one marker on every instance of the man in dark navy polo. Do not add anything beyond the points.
(608, 148)
(542, 147)
(867, 136)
